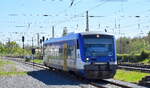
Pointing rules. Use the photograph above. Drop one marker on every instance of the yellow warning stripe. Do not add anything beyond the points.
(65, 56)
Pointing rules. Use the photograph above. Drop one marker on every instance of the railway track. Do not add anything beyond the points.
(131, 67)
(134, 65)
(98, 84)
(108, 84)
(147, 70)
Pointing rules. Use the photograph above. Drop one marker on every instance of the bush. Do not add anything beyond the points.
(144, 54)
(39, 55)
(27, 59)
(146, 61)
(123, 57)
(128, 57)
(133, 57)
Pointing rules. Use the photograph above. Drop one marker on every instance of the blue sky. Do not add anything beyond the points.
(25, 17)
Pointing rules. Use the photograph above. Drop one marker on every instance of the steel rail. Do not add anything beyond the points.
(96, 84)
(147, 70)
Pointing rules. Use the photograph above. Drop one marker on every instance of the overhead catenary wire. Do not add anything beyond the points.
(58, 22)
(74, 17)
(82, 12)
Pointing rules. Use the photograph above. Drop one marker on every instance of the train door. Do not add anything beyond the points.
(79, 62)
(65, 57)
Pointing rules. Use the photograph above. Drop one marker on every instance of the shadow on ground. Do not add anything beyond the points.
(54, 77)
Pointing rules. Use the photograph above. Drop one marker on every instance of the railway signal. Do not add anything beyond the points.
(23, 41)
(33, 51)
(43, 38)
(22, 38)
(41, 41)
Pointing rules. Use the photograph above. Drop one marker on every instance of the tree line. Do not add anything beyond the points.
(128, 49)
(133, 49)
(11, 48)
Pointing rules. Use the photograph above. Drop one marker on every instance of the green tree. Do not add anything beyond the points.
(2, 48)
(133, 45)
(123, 45)
(65, 31)
(11, 47)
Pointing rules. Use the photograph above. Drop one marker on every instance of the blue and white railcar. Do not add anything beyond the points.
(90, 54)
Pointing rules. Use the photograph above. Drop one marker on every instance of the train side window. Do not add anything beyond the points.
(60, 50)
(77, 44)
(69, 50)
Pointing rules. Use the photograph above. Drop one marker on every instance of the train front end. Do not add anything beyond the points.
(99, 55)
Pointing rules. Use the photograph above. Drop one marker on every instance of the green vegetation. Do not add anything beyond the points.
(126, 45)
(146, 61)
(2, 63)
(143, 57)
(40, 61)
(130, 76)
(13, 49)
(8, 68)
(12, 73)
(134, 49)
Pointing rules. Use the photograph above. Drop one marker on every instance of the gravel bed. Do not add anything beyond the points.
(30, 82)
(41, 78)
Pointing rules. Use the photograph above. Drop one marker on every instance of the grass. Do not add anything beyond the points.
(146, 61)
(37, 61)
(130, 76)
(2, 62)
(11, 71)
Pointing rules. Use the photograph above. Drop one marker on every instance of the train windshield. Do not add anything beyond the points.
(98, 45)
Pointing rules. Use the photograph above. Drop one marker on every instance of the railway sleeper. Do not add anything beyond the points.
(145, 81)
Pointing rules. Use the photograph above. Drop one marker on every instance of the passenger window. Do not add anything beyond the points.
(60, 50)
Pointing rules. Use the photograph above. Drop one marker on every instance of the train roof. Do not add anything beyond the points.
(65, 38)
(96, 32)
(72, 36)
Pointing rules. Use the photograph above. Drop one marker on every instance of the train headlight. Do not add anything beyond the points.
(97, 36)
(87, 59)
